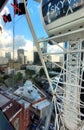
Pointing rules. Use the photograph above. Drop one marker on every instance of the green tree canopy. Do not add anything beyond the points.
(18, 77)
(29, 73)
(1, 80)
(41, 72)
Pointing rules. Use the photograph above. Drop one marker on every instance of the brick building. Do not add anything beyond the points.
(12, 110)
(25, 108)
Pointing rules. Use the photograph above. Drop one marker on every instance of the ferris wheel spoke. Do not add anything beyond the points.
(66, 99)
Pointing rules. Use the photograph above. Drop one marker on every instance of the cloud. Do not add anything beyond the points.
(28, 46)
(6, 43)
(5, 11)
(28, 49)
(54, 48)
(20, 41)
(6, 38)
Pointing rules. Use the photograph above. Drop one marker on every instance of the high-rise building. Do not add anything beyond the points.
(36, 58)
(44, 47)
(8, 55)
(25, 59)
(21, 56)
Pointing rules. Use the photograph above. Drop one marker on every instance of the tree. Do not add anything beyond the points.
(57, 69)
(1, 80)
(41, 72)
(18, 77)
(29, 73)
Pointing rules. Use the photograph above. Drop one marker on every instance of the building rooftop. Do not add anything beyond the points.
(42, 104)
(26, 103)
(30, 92)
(3, 100)
(9, 107)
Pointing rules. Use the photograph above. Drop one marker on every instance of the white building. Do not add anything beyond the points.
(3, 60)
(9, 71)
(8, 55)
(36, 97)
(30, 91)
(21, 56)
(36, 68)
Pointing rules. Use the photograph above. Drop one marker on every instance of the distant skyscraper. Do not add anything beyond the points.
(44, 47)
(8, 55)
(21, 56)
(36, 56)
(36, 59)
(25, 59)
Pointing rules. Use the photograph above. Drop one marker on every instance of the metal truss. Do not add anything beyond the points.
(67, 110)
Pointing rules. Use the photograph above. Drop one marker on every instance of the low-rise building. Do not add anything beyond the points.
(42, 107)
(3, 61)
(39, 105)
(14, 64)
(36, 68)
(26, 106)
(12, 110)
(9, 71)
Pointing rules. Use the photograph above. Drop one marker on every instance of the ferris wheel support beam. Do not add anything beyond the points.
(72, 75)
(66, 52)
(73, 60)
(64, 37)
(68, 71)
(36, 42)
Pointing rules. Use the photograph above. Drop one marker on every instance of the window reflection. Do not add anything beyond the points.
(4, 123)
(54, 9)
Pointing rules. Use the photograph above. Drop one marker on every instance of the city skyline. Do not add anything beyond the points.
(22, 38)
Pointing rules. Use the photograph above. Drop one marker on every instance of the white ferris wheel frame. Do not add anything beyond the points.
(65, 110)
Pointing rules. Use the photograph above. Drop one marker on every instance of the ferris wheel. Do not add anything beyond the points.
(64, 23)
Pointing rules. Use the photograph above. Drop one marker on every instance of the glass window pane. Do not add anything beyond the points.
(54, 9)
(4, 123)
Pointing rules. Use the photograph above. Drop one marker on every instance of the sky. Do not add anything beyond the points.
(22, 36)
